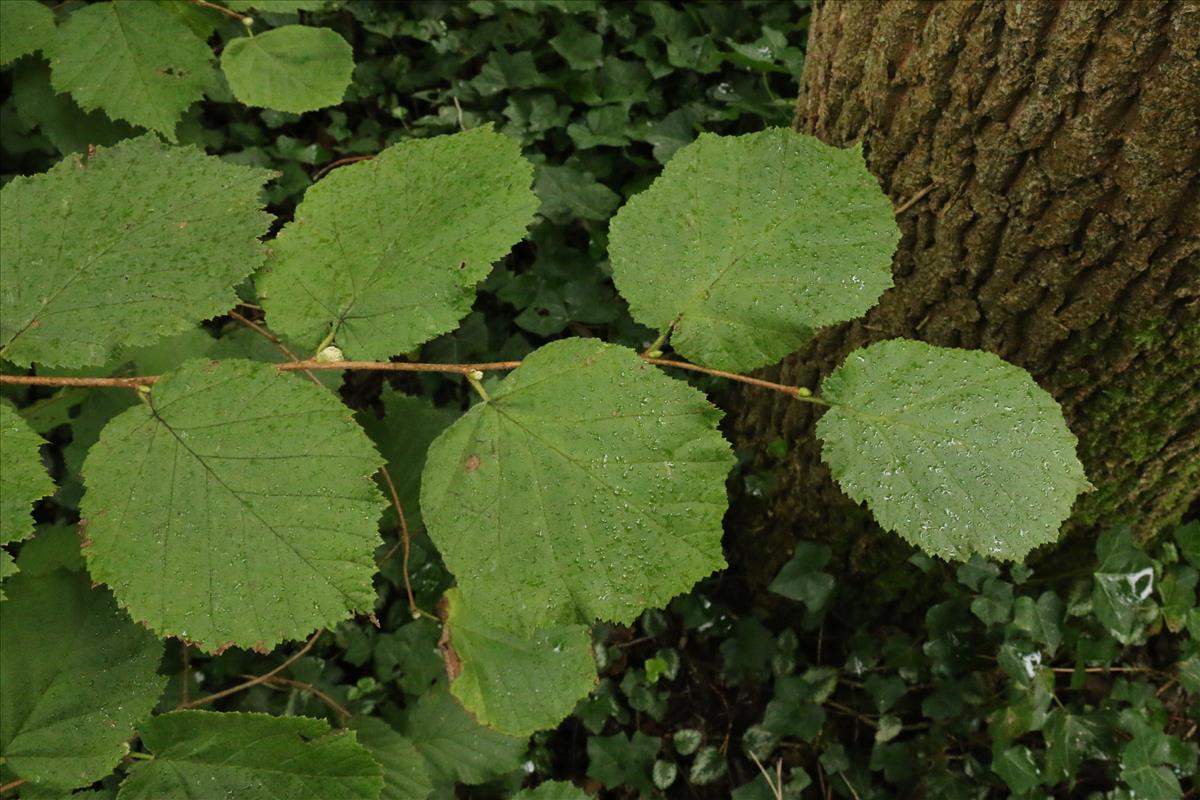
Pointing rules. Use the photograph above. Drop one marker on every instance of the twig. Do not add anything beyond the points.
(910, 202)
(775, 790)
(308, 687)
(222, 9)
(266, 676)
(798, 392)
(273, 339)
(185, 690)
(332, 165)
(466, 370)
(8, 787)
(458, 110)
(98, 383)
(405, 543)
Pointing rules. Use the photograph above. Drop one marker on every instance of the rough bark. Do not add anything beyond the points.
(1061, 142)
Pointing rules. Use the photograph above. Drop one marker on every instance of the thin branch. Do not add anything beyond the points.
(332, 165)
(405, 542)
(399, 366)
(308, 687)
(798, 392)
(273, 339)
(185, 690)
(266, 676)
(8, 787)
(96, 383)
(466, 370)
(222, 9)
(912, 201)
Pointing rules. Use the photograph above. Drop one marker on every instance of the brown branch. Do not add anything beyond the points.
(266, 676)
(97, 383)
(405, 542)
(912, 201)
(185, 690)
(273, 339)
(308, 687)
(466, 370)
(222, 9)
(332, 165)
(399, 366)
(8, 787)
(798, 392)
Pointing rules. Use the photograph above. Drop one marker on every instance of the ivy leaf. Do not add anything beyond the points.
(747, 243)
(23, 478)
(133, 60)
(517, 684)
(77, 676)
(957, 451)
(620, 760)
(1017, 767)
(1122, 595)
(457, 747)
(590, 486)
(386, 253)
(251, 757)
(405, 773)
(122, 247)
(294, 68)
(568, 192)
(803, 577)
(235, 507)
(1071, 738)
(28, 27)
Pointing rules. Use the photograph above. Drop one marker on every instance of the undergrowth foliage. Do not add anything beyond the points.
(233, 503)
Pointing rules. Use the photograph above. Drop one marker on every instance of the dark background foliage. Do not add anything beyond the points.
(1077, 681)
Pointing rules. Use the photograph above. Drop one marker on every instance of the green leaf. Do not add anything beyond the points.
(517, 684)
(28, 27)
(1072, 738)
(591, 486)
(1122, 596)
(53, 547)
(8, 568)
(122, 247)
(1188, 537)
(618, 760)
(747, 243)
(77, 677)
(802, 578)
(65, 124)
(386, 252)
(250, 757)
(294, 68)
(234, 507)
(1018, 769)
(405, 773)
(403, 436)
(956, 450)
(278, 6)
(567, 192)
(552, 790)
(580, 48)
(23, 477)
(133, 60)
(457, 747)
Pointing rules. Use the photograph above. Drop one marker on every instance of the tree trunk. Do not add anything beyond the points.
(1054, 148)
